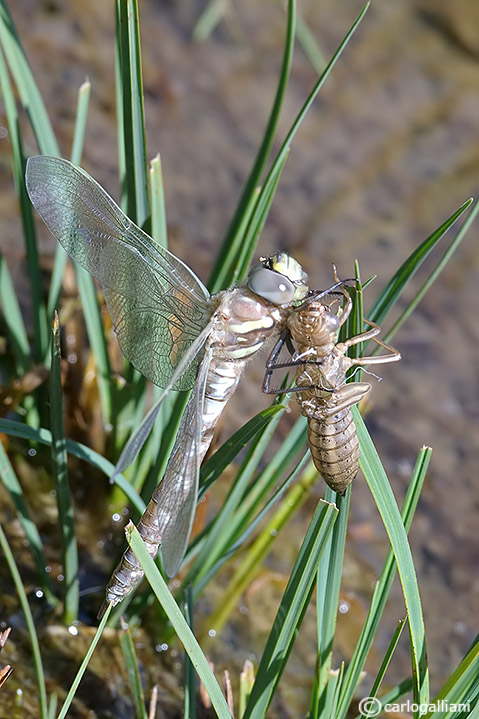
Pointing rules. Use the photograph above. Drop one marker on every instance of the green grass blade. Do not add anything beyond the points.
(381, 592)
(393, 289)
(223, 272)
(131, 663)
(40, 341)
(96, 336)
(386, 504)
(60, 477)
(460, 685)
(209, 20)
(86, 286)
(43, 436)
(159, 230)
(133, 125)
(435, 273)
(327, 596)
(27, 88)
(83, 666)
(14, 324)
(291, 611)
(178, 622)
(37, 657)
(189, 704)
(385, 663)
(309, 45)
(264, 199)
(80, 122)
(12, 485)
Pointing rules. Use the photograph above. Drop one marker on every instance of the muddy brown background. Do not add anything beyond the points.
(387, 153)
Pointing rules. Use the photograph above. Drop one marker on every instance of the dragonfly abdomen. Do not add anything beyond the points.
(334, 449)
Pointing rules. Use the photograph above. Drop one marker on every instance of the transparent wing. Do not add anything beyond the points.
(177, 493)
(157, 304)
(138, 438)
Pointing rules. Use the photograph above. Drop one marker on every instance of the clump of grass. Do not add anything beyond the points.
(256, 491)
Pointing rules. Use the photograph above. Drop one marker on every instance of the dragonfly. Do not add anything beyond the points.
(172, 330)
(324, 396)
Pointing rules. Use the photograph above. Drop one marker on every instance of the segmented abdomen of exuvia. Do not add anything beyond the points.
(335, 449)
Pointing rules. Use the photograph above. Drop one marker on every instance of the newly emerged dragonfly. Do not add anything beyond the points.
(171, 329)
(320, 384)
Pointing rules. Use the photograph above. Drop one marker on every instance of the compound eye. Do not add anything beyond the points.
(271, 285)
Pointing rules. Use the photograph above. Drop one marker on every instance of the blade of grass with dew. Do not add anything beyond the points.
(29, 94)
(44, 436)
(245, 572)
(40, 341)
(381, 592)
(395, 286)
(386, 504)
(435, 273)
(224, 273)
(460, 683)
(291, 611)
(327, 597)
(189, 704)
(60, 478)
(178, 622)
(131, 663)
(37, 657)
(83, 666)
(373, 692)
(273, 174)
(15, 327)
(12, 485)
(133, 125)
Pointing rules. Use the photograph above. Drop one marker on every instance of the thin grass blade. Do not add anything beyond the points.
(60, 477)
(381, 592)
(224, 272)
(83, 102)
(435, 273)
(83, 666)
(30, 96)
(395, 286)
(12, 485)
(291, 611)
(460, 686)
(385, 663)
(13, 318)
(386, 504)
(130, 94)
(40, 332)
(189, 704)
(178, 622)
(131, 663)
(327, 595)
(37, 657)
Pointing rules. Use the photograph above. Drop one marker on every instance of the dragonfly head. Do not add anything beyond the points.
(278, 279)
